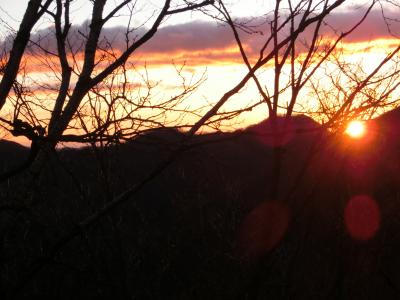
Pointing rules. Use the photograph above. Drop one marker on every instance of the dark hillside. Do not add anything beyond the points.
(207, 227)
(12, 154)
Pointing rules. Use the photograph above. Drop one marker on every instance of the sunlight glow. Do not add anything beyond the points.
(356, 129)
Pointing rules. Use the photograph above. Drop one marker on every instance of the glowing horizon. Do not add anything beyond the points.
(203, 46)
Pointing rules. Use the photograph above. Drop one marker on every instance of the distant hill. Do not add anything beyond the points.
(11, 155)
(9, 146)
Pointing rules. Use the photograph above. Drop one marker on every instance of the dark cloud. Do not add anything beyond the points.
(203, 36)
(375, 25)
(195, 36)
(210, 38)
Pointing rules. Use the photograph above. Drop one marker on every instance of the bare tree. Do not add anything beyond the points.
(345, 91)
(353, 93)
(83, 66)
(34, 11)
(298, 53)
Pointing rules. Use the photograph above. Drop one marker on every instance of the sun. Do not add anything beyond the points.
(356, 129)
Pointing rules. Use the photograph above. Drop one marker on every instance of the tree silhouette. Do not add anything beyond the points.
(94, 102)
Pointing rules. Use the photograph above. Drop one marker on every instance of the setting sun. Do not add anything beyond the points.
(355, 129)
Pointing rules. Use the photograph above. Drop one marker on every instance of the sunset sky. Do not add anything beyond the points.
(207, 48)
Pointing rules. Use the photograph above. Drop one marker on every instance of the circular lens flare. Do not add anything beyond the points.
(362, 217)
(356, 129)
(263, 228)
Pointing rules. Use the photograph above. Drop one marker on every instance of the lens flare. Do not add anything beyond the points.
(262, 229)
(356, 129)
(362, 217)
